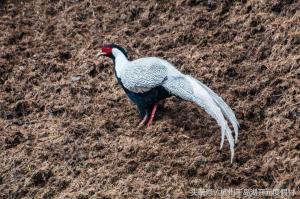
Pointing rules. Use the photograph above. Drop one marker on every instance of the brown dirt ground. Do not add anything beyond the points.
(67, 138)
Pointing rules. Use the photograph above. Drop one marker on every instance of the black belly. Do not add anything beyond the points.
(145, 101)
(149, 98)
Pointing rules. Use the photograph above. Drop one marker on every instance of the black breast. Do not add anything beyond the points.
(147, 99)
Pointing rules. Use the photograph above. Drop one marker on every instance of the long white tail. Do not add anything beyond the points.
(188, 88)
(225, 109)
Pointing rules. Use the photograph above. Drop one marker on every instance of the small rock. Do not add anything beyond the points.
(76, 78)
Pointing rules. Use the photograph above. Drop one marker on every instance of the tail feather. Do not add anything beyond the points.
(190, 89)
(227, 111)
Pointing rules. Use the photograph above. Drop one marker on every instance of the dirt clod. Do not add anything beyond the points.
(14, 140)
(41, 177)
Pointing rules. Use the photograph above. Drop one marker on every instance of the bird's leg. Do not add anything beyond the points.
(143, 121)
(152, 115)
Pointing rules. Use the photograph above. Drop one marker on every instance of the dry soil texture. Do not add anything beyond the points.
(68, 130)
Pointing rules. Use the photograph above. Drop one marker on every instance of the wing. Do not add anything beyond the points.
(143, 74)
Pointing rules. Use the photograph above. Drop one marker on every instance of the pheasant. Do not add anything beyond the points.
(146, 81)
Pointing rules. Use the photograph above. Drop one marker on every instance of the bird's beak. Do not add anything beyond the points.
(100, 54)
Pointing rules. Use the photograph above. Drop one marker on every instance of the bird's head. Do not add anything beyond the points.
(111, 51)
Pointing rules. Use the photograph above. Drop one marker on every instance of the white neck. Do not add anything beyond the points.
(120, 61)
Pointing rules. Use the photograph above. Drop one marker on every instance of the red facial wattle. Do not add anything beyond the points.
(107, 50)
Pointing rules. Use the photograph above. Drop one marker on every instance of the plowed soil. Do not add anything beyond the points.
(67, 130)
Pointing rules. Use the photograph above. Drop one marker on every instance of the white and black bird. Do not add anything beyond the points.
(148, 80)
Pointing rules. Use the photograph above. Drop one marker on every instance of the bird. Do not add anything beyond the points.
(148, 80)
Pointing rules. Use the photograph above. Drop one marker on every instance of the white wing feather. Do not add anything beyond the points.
(143, 74)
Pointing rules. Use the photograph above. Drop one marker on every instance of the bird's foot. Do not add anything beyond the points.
(142, 122)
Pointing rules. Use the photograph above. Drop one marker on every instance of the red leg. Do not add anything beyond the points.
(143, 121)
(152, 115)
